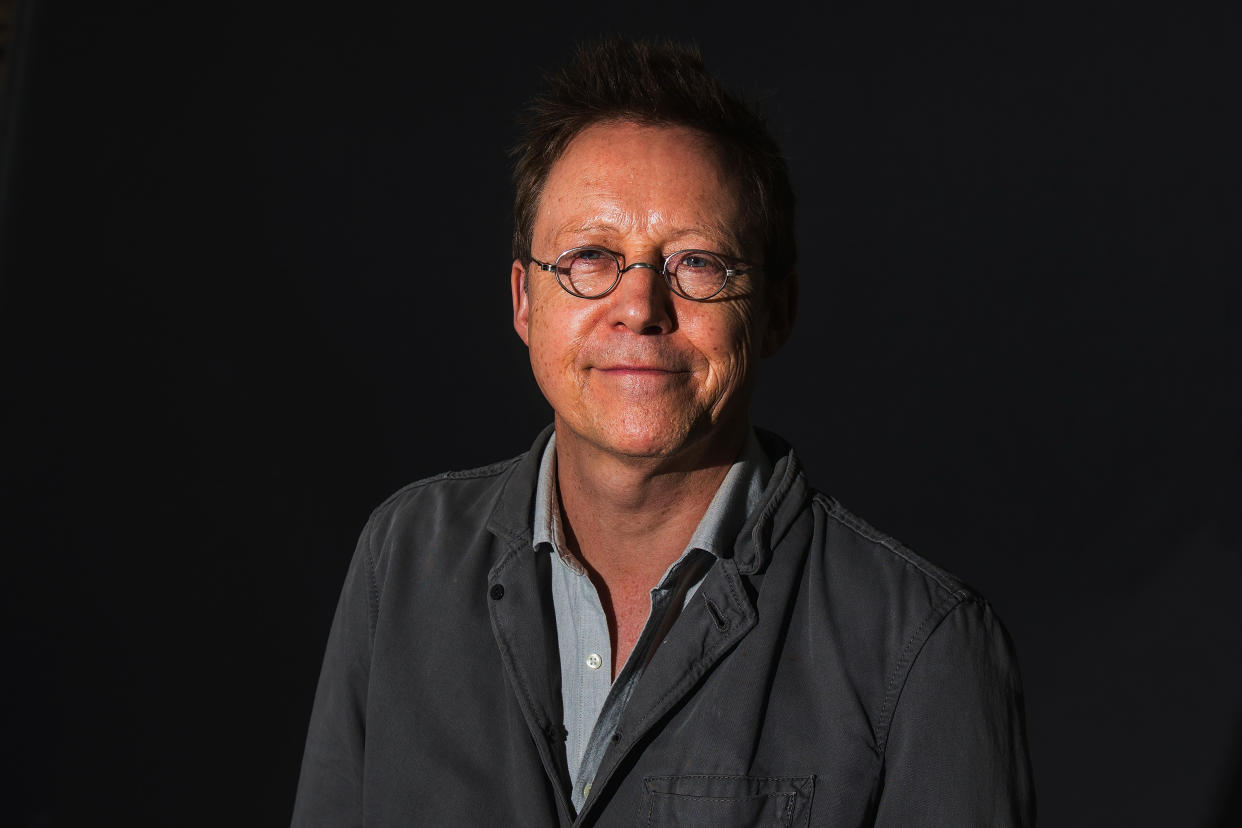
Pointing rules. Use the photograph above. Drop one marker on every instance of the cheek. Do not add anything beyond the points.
(726, 341)
(557, 334)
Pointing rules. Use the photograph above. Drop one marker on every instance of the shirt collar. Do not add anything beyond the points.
(547, 528)
(738, 495)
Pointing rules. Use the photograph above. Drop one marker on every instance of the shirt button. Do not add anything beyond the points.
(594, 662)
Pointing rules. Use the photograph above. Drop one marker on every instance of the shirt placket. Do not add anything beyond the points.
(591, 653)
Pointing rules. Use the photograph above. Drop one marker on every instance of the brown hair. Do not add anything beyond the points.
(655, 83)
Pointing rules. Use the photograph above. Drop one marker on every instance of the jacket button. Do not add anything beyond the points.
(497, 592)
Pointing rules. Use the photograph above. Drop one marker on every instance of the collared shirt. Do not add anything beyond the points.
(591, 701)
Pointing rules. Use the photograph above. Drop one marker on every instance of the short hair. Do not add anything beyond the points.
(657, 84)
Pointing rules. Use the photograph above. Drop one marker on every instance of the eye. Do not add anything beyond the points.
(696, 274)
(697, 262)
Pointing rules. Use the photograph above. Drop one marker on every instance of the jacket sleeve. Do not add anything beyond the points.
(330, 785)
(956, 750)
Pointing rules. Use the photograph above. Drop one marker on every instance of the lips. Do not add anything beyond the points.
(652, 360)
(639, 369)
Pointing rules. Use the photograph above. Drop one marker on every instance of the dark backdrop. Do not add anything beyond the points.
(254, 278)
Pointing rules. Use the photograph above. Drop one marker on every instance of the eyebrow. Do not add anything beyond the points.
(592, 227)
(718, 231)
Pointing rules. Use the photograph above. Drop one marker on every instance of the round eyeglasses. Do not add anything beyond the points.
(591, 272)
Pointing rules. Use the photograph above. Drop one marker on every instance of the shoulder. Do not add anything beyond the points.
(456, 488)
(875, 563)
(444, 511)
(892, 609)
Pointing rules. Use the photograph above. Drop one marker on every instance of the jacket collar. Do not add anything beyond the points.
(782, 499)
(515, 507)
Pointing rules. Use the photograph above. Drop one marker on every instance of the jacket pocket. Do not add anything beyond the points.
(727, 801)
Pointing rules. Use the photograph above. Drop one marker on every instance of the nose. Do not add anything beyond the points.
(642, 302)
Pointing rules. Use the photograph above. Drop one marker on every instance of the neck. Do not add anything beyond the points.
(628, 517)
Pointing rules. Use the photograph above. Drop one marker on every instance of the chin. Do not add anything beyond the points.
(642, 446)
(649, 437)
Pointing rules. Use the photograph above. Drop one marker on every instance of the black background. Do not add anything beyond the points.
(254, 275)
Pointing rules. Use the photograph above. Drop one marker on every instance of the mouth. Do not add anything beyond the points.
(639, 370)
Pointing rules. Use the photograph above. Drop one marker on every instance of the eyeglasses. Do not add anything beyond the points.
(591, 272)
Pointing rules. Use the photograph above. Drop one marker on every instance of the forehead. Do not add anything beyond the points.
(640, 178)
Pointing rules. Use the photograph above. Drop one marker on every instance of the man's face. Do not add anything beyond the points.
(643, 372)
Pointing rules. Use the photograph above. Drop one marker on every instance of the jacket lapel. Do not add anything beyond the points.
(524, 621)
(717, 617)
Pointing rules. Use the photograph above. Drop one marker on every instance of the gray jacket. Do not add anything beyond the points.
(822, 675)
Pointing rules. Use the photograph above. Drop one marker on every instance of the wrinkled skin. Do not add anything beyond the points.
(642, 372)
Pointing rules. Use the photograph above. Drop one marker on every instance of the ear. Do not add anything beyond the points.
(782, 310)
(521, 301)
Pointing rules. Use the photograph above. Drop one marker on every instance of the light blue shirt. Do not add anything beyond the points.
(591, 701)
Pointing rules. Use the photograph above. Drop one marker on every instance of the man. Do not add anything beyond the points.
(650, 617)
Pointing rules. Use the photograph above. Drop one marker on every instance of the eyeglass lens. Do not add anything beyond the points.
(590, 272)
